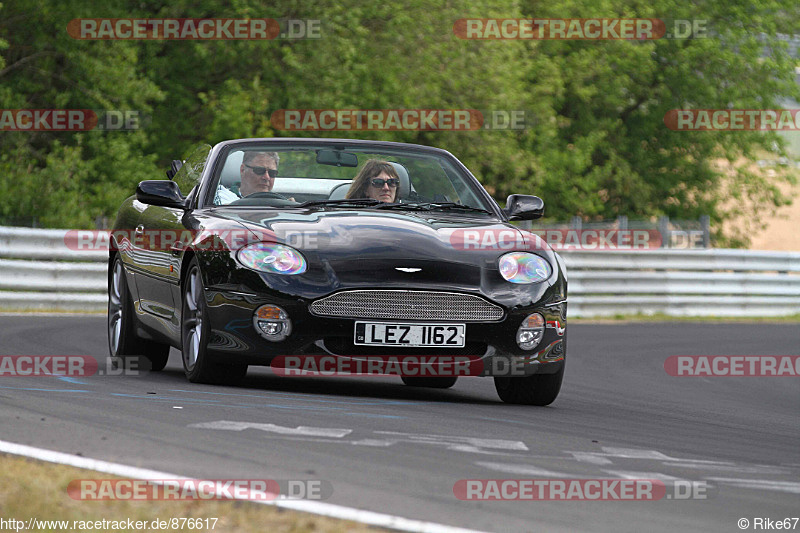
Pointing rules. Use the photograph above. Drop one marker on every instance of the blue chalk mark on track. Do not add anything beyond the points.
(45, 390)
(70, 380)
(296, 396)
(216, 403)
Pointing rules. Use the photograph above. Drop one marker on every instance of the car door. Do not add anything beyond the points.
(159, 234)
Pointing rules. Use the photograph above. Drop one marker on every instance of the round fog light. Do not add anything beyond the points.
(272, 322)
(531, 331)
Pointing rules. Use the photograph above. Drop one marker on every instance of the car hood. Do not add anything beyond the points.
(396, 248)
(368, 232)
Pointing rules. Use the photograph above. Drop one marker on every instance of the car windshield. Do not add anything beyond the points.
(358, 176)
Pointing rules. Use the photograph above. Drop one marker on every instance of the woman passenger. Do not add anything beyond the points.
(378, 180)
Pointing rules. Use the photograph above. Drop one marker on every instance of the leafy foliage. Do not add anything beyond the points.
(596, 144)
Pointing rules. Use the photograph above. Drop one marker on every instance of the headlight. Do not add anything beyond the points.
(522, 267)
(272, 258)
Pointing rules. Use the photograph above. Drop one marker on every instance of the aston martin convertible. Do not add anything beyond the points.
(282, 252)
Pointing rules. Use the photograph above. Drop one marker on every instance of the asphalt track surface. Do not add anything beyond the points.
(619, 415)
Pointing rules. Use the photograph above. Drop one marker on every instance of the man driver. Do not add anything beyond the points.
(258, 172)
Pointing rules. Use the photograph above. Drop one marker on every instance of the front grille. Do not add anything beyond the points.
(408, 305)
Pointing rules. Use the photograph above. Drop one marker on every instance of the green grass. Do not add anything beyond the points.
(48, 311)
(661, 317)
(658, 317)
(35, 489)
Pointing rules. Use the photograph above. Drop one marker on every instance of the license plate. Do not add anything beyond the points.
(410, 335)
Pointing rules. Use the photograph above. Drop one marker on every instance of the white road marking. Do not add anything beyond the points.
(457, 443)
(522, 469)
(634, 453)
(378, 443)
(700, 462)
(604, 458)
(791, 487)
(628, 474)
(609, 453)
(319, 508)
(742, 469)
(450, 442)
(591, 457)
(306, 431)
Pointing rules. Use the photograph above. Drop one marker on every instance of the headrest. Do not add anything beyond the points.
(339, 192)
(231, 174)
(405, 182)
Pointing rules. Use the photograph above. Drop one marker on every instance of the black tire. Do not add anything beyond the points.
(123, 342)
(431, 383)
(197, 363)
(538, 389)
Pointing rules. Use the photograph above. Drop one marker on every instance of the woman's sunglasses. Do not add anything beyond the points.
(260, 171)
(379, 183)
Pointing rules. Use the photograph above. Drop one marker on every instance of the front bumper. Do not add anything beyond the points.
(490, 347)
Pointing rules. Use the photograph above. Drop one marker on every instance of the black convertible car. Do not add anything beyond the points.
(261, 251)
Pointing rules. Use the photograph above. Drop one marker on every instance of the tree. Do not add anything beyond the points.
(68, 179)
(595, 144)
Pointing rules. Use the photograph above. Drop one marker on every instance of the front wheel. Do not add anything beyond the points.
(538, 389)
(197, 364)
(123, 341)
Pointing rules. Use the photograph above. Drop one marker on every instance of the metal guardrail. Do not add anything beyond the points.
(39, 271)
(729, 283)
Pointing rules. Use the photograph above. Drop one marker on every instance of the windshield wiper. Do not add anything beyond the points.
(417, 206)
(431, 206)
(367, 202)
(408, 207)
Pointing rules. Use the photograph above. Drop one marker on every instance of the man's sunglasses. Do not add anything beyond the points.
(379, 183)
(260, 171)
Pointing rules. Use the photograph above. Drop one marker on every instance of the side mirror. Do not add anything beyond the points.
(174, 168)
(160, 192)
(524, 207)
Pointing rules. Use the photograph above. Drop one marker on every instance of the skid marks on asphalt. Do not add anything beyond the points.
(305, 431)
(614, 462)
(636, 463)
(178, 398)
(610, 462)
(377, 439)
(261, 403)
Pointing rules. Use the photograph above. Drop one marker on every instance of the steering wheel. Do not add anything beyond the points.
(256, 197)
(264, 194)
